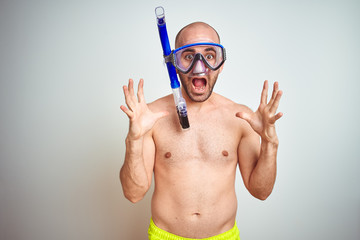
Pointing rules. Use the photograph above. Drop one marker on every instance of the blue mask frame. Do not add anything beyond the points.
(198, 56)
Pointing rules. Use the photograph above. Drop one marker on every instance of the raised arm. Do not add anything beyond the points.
(258, 163)
(136, 172)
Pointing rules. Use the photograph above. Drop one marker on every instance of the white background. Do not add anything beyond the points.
(62, 67)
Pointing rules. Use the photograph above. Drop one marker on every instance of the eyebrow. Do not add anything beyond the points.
(206, 50)
(189, 50)
(210, 49)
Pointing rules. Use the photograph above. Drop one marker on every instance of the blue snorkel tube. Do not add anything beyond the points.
(175, 84)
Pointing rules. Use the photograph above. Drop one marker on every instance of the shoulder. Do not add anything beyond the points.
(230, 105)
(229, 108)
(162, 103)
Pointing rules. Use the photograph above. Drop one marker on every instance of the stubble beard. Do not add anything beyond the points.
(187, 85)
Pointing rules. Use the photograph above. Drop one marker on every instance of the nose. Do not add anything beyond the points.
(199, 67)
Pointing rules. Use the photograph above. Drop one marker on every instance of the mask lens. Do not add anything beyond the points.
(184, 56)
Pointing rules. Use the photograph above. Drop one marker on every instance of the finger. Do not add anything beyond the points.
(128, 99)
(276, 102)
(140, 92)
(275, 90)
(244, 116)
(278, 116)
(131, 87)
(129, 113)
(264, 93)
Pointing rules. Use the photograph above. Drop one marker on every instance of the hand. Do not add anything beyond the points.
(142, 119)
(263, 120)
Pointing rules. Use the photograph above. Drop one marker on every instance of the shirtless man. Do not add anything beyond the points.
(195, 169)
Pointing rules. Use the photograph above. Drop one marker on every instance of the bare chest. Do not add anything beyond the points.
(210, 141)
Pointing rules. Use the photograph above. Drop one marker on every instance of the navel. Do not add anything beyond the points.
(225, 153)
(168, 155)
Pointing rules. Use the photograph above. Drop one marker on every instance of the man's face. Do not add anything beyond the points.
(198, 86)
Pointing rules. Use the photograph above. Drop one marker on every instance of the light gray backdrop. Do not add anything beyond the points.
(63, 64)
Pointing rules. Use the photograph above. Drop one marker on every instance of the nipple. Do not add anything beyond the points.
(225, 153)
(168, 154)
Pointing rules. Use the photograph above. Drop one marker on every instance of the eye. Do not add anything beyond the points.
(209, 57)
(189, 57)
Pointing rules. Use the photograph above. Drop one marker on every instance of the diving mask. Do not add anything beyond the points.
(199, 54)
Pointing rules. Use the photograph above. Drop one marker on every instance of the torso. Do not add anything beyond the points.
(195, 169)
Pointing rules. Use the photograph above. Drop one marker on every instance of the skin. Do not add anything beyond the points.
(195, 33)
(194, 170)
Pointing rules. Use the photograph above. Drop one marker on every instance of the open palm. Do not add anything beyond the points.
(142, 119)
(263, 120)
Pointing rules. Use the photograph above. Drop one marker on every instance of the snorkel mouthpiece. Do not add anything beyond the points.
(181, 108)
(175, 84)
(160, 15)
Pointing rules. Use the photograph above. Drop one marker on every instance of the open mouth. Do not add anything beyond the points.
(199, 84)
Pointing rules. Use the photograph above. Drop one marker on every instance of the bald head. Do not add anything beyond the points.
(196, 32)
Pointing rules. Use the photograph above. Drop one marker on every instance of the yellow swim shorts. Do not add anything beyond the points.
(156, 233)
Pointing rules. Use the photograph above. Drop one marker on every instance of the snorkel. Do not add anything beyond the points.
(175, 84)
